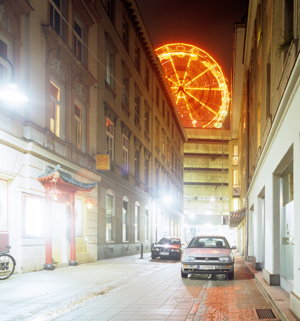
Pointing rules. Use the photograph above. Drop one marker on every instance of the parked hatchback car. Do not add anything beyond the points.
(208, 255)
(167, 247)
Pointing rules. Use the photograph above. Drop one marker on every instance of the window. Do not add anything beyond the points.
(137, 165)
(147, 120)
(109, 200)
(78, 41)
(137, 59)
(33, 216)
(78, 126)
(3, 63)
(147, 224)
(137, 222)
(288, 21)
(125, 33)
(109, 8)
(235, 178)
(163, 143)
(3, 206)
(125, 90)
(288, 185)
(163, 109)
(157, 97)
(125, 155)
(78, 216)
(157, 134)
(110, 68)
(235, 157)
(137, 109)
(56, 16)
(146, 169)
(125, 220)
(56, 110)
(147, 78)
(110, 138)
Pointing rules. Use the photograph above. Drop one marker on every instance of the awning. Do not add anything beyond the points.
(237, 217)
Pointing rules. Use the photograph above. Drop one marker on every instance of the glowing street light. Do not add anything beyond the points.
(10, 94)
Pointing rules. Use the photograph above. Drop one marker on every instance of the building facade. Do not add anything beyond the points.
(269, 145)
(84, 163)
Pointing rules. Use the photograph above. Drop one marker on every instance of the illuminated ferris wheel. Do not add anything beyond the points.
(197, 83)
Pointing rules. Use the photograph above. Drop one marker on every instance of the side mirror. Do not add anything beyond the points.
(233, 247)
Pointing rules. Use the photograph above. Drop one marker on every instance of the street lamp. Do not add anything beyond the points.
(10, 93)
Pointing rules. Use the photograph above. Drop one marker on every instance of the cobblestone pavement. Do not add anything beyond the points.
(164, 295)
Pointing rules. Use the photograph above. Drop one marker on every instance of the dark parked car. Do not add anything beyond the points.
(167, 247)
(208, 255)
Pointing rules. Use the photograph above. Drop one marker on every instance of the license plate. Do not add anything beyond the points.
(206, 267)
(163, 253)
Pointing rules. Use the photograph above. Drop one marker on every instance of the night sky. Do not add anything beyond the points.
(207, 24)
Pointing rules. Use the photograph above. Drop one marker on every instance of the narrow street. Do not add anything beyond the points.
(130, 288)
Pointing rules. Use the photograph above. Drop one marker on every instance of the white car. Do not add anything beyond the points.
(208, 255)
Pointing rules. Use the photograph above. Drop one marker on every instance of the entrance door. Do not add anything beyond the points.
(287, 242)
(60, 233)
(287, 229)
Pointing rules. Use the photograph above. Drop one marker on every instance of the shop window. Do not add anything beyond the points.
(34, 219)
(147, 225)
(137, 223)
(125, 220)
(109, 214)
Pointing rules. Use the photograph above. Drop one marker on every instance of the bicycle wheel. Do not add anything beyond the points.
(7, 266)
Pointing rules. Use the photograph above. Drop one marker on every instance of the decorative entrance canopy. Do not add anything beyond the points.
(54, 177)
(61, 186)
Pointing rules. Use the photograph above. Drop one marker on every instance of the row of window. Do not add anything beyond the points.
(141, 221)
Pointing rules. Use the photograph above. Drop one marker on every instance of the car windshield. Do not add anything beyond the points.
(209, 242)
(169, 241)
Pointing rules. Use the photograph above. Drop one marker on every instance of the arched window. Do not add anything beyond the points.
(125, 219)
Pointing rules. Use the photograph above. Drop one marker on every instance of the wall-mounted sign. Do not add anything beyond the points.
(103, 162)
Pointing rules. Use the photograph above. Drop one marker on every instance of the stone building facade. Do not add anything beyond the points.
(99, 114)
(269, 146)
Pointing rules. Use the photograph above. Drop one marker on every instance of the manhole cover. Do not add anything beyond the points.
(265, 314)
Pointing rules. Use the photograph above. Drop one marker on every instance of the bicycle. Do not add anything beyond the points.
(7, 265)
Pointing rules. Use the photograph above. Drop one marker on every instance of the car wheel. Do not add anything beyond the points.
(153, 257)
(230, 275)
(184, 275)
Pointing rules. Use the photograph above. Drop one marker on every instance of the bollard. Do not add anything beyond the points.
(142, 249)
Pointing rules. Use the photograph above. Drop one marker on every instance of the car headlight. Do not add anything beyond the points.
(174, 250)
(225, 259)
(189, 258)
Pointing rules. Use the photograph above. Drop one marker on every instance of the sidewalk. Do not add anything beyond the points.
(277, 296)
(41, 295)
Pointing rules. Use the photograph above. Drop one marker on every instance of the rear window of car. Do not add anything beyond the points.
(169, 241)
(209, 242)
